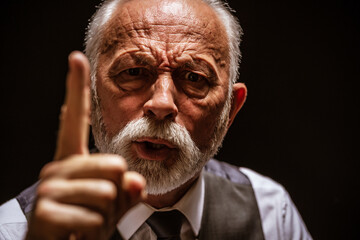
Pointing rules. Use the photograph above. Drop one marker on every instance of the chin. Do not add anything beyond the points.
(162, 177)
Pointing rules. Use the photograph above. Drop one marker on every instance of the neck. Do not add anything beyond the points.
(170, 198)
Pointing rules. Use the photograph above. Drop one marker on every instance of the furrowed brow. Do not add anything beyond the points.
(199, 64)
(128, 60)
(142, 59)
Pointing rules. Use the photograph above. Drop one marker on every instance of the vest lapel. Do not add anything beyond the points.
(230, 211)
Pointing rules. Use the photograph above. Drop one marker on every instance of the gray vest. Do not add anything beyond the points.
(230, 207)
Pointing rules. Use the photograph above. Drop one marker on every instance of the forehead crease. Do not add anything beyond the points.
(147, 29)
(141, 29)
(178, 33)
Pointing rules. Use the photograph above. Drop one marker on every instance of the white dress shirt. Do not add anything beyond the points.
(190, 205)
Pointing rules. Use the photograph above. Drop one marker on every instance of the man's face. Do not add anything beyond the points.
(166, 61)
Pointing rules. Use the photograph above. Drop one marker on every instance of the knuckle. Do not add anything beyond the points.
(115, 163)
(75, 158)
(43, 210)
(49, 169)
(108, 191)
(96, 220)
(44, 188)
(118, 163)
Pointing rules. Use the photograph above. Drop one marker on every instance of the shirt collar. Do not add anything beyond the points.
(191, 205)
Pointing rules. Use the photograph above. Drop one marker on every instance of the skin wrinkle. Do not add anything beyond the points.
(180, 41)
(143, 60)
(210, 46)
(122, 62)
(136, 41)
(191, 62)
(119, 28)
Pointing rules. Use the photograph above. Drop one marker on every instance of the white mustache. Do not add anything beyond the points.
(169, 131)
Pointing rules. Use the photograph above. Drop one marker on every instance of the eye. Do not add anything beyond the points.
(132, 79)
(192, 77)
(194, 84)
(134, 71)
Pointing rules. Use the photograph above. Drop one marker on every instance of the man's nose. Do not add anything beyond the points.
(161, 104)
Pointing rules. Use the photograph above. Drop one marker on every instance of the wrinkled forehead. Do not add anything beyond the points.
(163, 19)
(165, 12)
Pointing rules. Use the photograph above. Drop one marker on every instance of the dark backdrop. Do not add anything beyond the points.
(298, 126)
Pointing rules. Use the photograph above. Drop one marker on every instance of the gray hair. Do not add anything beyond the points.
(94, 36)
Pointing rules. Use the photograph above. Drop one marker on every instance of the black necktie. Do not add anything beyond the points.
(166, 225)
(116, 235)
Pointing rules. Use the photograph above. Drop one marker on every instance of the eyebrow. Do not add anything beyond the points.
(137, 58)
(142, 59)
(195, 64)
(130, 58)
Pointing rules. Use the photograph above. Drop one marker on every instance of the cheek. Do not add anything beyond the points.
(200, 117)
(117, 108)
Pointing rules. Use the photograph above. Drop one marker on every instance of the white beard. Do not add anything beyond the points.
(160, 177)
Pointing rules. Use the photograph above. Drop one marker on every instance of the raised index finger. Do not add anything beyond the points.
(74, 118)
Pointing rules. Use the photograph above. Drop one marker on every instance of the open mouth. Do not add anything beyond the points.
(153, 149)
(154, 145)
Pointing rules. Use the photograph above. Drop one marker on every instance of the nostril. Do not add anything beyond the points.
(149, 113)
(170, 116)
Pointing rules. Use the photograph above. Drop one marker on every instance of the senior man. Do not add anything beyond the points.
(163, 94)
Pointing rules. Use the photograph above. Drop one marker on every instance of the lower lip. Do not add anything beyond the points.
(144, 152)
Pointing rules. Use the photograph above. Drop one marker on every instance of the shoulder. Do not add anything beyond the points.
(226, 171)
(280, 218)
(264, 187)
(279, 215)
(245, 176)
(13, 223)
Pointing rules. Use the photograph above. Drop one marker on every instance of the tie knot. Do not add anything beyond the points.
(166, 225)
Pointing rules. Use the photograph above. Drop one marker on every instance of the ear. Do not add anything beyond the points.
(238, 99)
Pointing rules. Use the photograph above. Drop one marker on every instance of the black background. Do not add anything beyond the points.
(300, 124)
